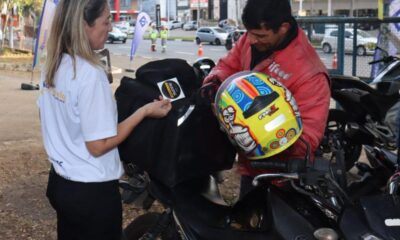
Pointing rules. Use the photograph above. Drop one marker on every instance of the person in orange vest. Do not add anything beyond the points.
(164, 38)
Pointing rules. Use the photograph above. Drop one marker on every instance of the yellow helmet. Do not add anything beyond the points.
(258, 113)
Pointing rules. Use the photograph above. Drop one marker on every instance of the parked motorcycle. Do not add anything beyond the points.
(363, 116)
(312, 204)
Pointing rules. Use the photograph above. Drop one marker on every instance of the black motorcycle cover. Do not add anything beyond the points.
(383, 215)
(167, 152)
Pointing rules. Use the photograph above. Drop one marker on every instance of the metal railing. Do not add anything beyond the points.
(309, 24)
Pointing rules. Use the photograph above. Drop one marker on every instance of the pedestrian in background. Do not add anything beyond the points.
(153, 37)
(79, 124)
(164, 38)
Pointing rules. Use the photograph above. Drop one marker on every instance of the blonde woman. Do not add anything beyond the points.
(79, 124)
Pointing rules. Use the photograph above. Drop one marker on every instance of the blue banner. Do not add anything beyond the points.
(142, 22)
(46, 19)
(388, 37)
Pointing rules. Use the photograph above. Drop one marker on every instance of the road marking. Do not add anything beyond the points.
(186, 53)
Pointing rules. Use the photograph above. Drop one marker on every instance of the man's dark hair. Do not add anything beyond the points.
(269, 14)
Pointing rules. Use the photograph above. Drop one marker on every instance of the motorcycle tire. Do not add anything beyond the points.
(336, 124)
(140, 225)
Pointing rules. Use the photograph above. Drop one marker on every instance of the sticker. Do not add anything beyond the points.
(280, 133)
(290, 134)
(274, 144)
(170, 89)
(283, 141)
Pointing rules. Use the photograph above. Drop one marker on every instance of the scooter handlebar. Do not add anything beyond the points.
(387, 59)
(289, 166)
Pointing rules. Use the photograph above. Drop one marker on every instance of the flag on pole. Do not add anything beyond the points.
(380, 9)
(46, 19)
(388, 37)
(143, 21)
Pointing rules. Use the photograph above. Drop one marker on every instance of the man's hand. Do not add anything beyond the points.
(208, 91)
(210, 78)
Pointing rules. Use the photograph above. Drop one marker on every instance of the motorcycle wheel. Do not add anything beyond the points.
(336, 126)
(140, 225)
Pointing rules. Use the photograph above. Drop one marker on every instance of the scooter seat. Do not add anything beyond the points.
(204, 219)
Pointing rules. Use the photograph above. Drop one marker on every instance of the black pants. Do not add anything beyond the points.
(85, 211)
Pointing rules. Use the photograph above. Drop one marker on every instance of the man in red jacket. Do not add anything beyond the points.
(276, 46)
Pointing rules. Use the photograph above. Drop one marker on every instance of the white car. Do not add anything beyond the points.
(175, 24)
(212, 35)
(191, 25)
(366, 43)
(116, 35)
(127, 30)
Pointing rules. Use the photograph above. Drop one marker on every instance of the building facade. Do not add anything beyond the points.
(186, 10)
(335, 7)
(128, 9)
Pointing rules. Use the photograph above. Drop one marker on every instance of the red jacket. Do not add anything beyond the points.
(300, 69)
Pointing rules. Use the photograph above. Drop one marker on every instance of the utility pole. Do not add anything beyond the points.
(329, 7)
(117, 10)
(198, 13)
(167, 3)
(300, 13)
(351, 8)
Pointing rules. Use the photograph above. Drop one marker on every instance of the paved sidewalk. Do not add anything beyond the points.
(121, 63)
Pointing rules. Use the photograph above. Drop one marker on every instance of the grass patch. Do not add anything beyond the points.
(15, 55)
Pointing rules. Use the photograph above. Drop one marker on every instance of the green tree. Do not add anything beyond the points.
(25, 8)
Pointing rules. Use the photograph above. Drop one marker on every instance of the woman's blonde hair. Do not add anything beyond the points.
(68, 34)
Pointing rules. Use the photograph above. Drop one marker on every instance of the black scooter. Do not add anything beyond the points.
(312, 205)
(312, 202)
(364, 116)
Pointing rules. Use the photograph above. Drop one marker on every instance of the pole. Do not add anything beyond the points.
(117, 10)
(329, 7)
(301, 8)
(167, 12)
(237, 14)
(33, 41)
(351, 8)
(198, 13)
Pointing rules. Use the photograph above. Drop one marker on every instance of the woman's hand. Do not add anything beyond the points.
(157, 109)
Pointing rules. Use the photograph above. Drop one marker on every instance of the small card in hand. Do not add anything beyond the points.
(170, 89)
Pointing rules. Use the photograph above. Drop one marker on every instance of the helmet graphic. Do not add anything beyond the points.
(258, 113)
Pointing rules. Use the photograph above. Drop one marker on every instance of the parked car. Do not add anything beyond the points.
(318, 30)
(175, 24)
(212, 35)
(116, 35)
(366, 43)
(127, 30)
(227, 25)
(191, 25)
(232, 38)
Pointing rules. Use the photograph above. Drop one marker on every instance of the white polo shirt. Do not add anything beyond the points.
(77, 111)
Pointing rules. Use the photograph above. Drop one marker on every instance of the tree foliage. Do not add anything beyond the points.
(25, 5)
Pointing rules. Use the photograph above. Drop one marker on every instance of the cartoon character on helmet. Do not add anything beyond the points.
(258, 113)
